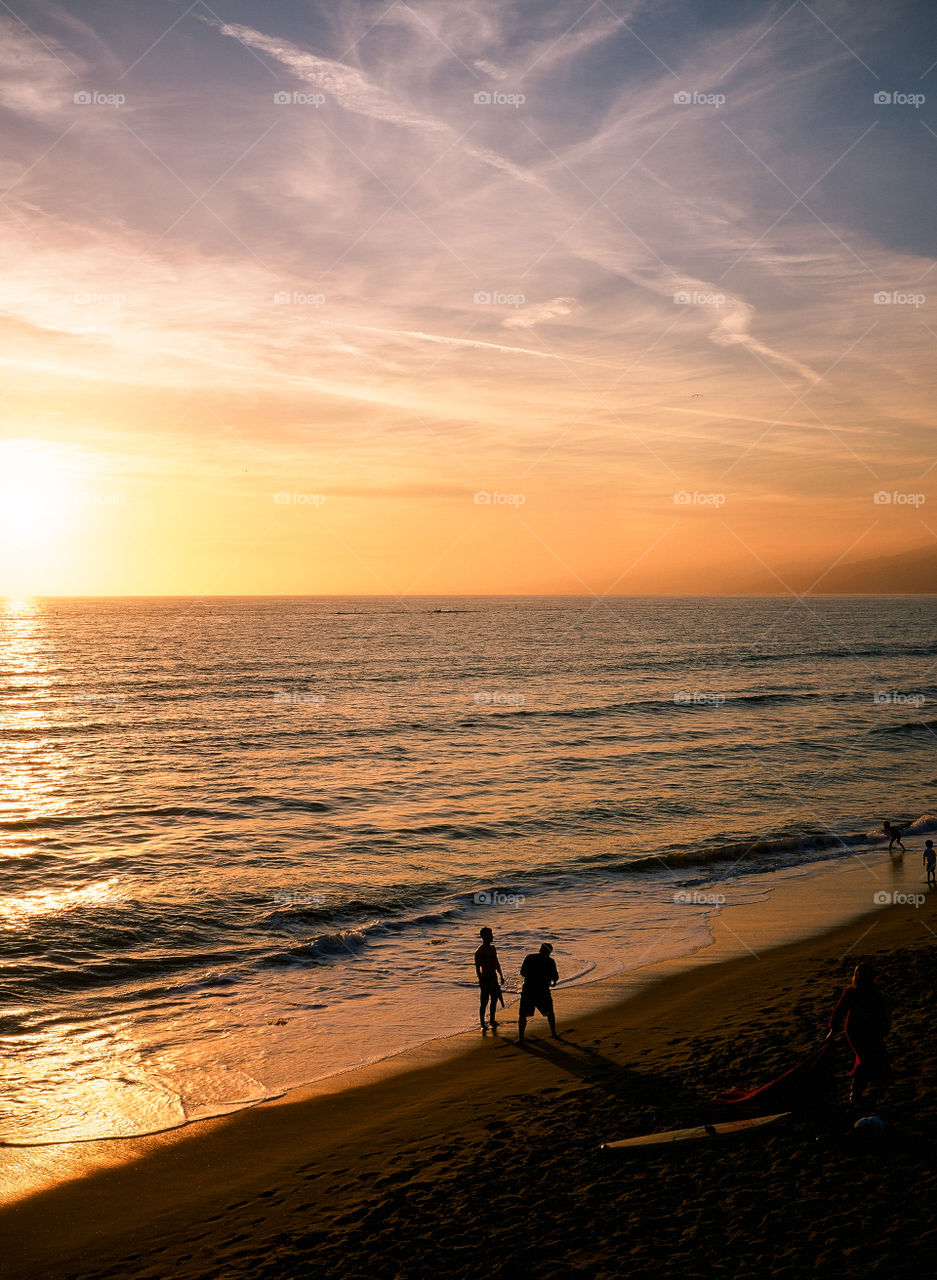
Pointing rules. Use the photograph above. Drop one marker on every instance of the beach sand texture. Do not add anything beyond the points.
(484, 1159)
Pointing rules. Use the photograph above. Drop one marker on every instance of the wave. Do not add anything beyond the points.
(80, 972)
(325, 947)
(586, 819)
(747, 855)
(758, 852)
(497, 706)
(61, 820)
(282, 802)
(309, 909)
(684, 699)
(114, 946)
(920, 826)
(160, 813)
(649, 662)
(338, 942)
(857, 651)
(907, 726)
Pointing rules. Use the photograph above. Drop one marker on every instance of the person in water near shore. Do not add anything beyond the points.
(488, 972)
(894, 836)
(539, 974)
(864, 1013)
(930, 863)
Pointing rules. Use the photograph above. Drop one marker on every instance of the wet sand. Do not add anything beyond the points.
(471, 1156)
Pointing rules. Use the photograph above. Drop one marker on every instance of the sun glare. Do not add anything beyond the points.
(34, 491)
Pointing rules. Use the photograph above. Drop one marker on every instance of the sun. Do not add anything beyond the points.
(34, 493)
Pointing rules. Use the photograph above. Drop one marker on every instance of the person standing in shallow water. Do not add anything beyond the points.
(488, 972)
(863, 1012)
(539, 974)
(930, 864)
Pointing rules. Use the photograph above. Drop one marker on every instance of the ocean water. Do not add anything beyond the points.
(247, 843)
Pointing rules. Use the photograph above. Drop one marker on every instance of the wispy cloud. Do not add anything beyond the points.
(348, 87)
(607, 247)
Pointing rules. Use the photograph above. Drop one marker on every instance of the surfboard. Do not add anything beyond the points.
(712, 1132)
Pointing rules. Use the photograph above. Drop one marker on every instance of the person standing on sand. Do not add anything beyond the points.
(930, 864)
(539, 974)
(488, 972)
(894, 836)
(863, 1011)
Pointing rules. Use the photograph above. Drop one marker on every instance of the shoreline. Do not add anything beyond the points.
(177, 1177)
(809, 891)
(835, 893)
(772, 889)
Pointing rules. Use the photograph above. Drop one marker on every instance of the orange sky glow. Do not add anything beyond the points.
(463, 299)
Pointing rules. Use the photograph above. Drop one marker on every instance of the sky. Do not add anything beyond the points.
(368, 298)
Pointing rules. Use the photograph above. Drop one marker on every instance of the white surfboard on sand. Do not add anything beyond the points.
(713, 1132)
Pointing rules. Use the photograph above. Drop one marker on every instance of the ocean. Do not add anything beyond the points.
(249, 843)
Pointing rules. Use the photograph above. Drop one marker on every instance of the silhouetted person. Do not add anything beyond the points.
(488, 971)
(539, 974)
(894, 836)
(930, 863)
(864, 1013)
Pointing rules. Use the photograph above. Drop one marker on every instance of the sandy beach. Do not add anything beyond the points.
(471, 1155)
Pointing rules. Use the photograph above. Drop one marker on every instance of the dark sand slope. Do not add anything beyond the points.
(487, 1162)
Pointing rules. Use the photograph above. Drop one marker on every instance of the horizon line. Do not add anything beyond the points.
(494, 595)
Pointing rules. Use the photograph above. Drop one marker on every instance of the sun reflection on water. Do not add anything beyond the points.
(17, 912)
(26, 693)
(23, 678)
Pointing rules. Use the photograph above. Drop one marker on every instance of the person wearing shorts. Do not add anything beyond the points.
(539, 974)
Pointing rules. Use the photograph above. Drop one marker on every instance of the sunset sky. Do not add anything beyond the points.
(286, 285)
